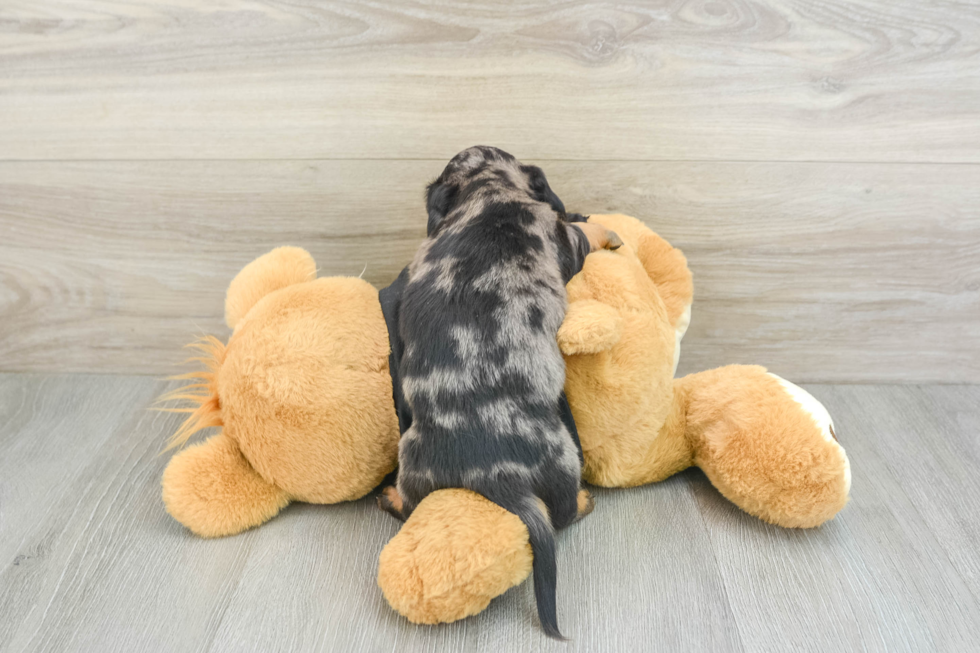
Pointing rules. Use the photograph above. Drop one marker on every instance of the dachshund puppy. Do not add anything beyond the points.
(481, 370)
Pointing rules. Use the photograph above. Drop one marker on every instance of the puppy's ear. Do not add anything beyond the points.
(439, 200)
(540, 189)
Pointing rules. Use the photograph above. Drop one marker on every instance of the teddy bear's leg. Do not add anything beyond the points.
(767, 445)
(454, 554)
(211, 489)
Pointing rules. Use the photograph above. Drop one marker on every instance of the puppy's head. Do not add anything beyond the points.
(487, 170)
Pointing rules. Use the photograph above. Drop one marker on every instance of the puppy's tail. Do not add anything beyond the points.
(545, 567)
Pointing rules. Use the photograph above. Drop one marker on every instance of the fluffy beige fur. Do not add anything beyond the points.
(283, 266)
(302, 393)
(214, 491)
(435, 570)
(760, 449)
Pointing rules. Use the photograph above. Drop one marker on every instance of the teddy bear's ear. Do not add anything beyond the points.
(283, 266)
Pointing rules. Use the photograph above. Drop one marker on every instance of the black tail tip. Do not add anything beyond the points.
(551, 630)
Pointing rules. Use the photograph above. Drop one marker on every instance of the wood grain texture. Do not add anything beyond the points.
(320, 575)
(851, 80)
(822, 272)
(102, 567)
(89, 560)
(897, 569)
(50, 431)
(939, 429)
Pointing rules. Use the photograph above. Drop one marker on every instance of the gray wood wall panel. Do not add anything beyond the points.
(823, 272)
(818, 161)
(89, 560)
(726, 79)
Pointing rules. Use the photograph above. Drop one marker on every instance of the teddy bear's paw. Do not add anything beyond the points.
(767, 445)
(212, 489)
(589, 328)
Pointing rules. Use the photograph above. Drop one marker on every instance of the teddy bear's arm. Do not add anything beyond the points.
(664, 264)
(589, 328)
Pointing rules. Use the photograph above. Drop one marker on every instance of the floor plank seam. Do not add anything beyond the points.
(718, 567)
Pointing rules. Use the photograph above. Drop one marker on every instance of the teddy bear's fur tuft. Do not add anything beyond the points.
(205, 410)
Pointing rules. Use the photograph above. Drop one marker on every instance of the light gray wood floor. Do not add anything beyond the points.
(89, 560)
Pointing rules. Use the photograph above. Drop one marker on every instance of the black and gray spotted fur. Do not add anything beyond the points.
(481, 370)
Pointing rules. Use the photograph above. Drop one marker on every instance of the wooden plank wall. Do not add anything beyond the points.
(819, 162)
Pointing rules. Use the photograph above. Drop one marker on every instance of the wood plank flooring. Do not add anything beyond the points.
(89, 560)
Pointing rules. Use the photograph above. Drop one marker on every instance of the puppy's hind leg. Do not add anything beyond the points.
(586, 503)
(558, 488)
(392, 503)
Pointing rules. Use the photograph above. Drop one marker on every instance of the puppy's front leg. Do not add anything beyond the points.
(391, 502)
(599, 237)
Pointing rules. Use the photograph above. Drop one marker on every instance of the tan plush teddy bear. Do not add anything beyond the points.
(766, 444)
(303, 396)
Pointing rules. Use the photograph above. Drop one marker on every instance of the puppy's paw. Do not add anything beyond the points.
(599, 237)
(391, 502)
(613, 241)
(586, 503)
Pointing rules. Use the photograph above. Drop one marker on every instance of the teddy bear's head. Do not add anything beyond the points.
(627, 311)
